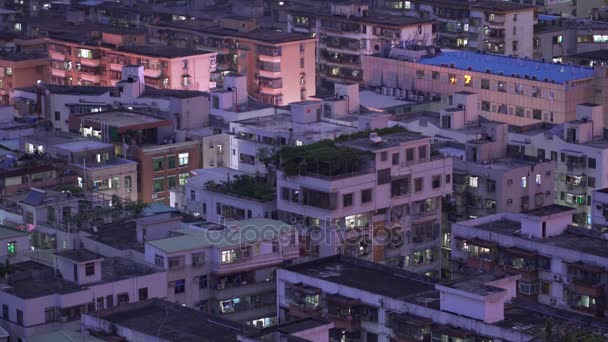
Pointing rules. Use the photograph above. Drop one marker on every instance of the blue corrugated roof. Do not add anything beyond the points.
(560, 73)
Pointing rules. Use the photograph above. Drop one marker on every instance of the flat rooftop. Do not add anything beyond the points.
(509, 66)
(120, 118)
(475, 284)
(83, 145)
(78, 255)
(366, 276)
(388, 141)
(282, 123)
(385, 20)
(20, 57)
(571, 239)
(70, 90)
(10, 233)
(163, 51)
(23, 284)
(246, 232)
(172, 322)
(120, 235)
(548, 210)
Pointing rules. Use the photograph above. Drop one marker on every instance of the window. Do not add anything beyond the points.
(418, 184)
(128, 183)
(420, 74)
(109, 301)
(524, 182)
(366, 195)
(89, 269)
(383, 156)
(11, 247)
(183, 159)
(558, 39)
(435, 75)
(473, 181)
(182, 178)
(468, 81)
(157, 163)
(49, 315)
(159, 260)
(172, 182)
(180, 286)
(538, 179)
(395, 158)
(198, 259)
(19, 317)
(175, 262)
(485, 106)
(347, 200)
(171, 161)
(301, 62)
(143, 293)
(545, 288)
(158, 184)
(591, 163)
(529, 289)
(422, 152)
(485, 84)
(122, 298)
(537, 114)
(409, 154)
(203, 282)
(436, 181)
(591, 182)
(57, 116)
(186, 80)
(448, 179)
(384, 176)
(5, 311)
(502, 87)
(452, 79)
(8, 71)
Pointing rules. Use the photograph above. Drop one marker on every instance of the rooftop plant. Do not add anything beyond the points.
(245, 186)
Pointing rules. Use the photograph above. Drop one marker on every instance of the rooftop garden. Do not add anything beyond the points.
(245, 186)
(323, 158)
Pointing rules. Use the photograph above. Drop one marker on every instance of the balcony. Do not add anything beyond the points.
(154, 73)
(90, 78)
(90, 62)
(58, 72)
(270, 59)
(495, 21)
(304, 310)
(407, 327)
(246, 264)
(244, 290)
(344, 312)
(56, 55)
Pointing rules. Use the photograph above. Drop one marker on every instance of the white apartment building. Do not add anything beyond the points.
(346, 31)
(560, 265)
(497, 27)
(39, 296)
(226, 270)
(57, 103)
(580, 152)
(218, 194)
(376, 197)
(370, 302)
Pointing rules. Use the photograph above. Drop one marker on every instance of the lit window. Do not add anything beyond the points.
(11, 247)
(182, 178)
(465, 27)
(524, 182)
(186, 80)
(467, 80)
(408, 5)
(299, 143)
(183, 159)
(474, 182)
(452, 79)
(538, 179)
(8, 71)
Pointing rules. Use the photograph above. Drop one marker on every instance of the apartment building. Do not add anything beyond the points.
(256, 139)
(279, 66)
(579, 150)
(599, 210)
(226, 270)
(512, 90)
(36, 300)
(347, 31)
(186, 109)
(497, 27)
(164, 162)
(557, 38)
(219, 194)
(376, 197)
(560, 265)
(21, 70)
(16, 175)
(94, 162)
(98, 61)
(370, 302)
